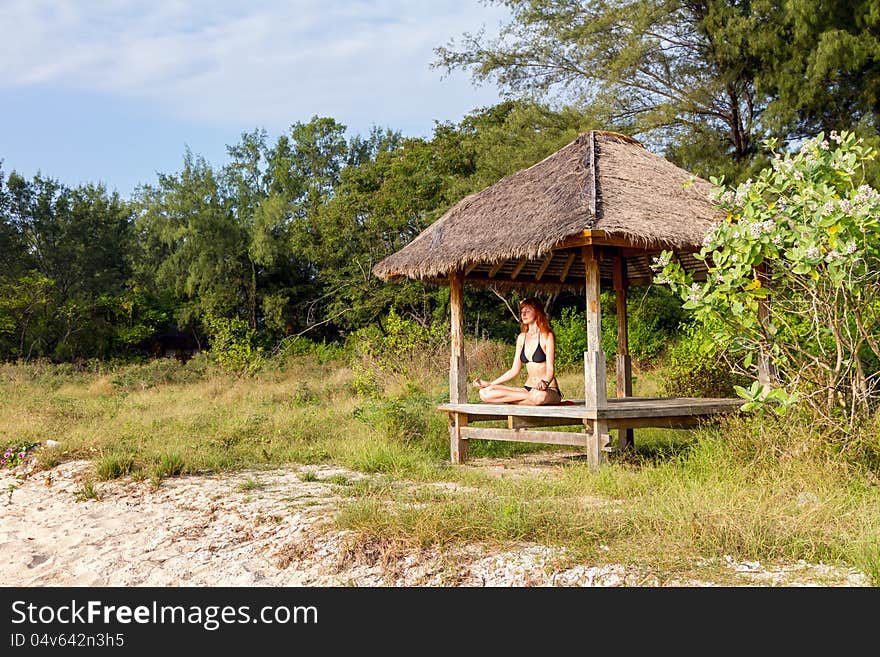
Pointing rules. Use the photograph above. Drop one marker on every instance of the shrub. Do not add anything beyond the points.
(696, 368)
(794, 274)
(405, 353)
(571, 338)
(233, 345)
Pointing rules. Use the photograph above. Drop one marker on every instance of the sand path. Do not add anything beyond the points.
(264, 528)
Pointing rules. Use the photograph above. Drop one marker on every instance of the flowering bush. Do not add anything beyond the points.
(16, 453)
(794, 275)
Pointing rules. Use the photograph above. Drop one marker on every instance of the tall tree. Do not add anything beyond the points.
(14, 254)
(70, 251)
(192, 244)
(650, 67)
(825, 74)
(383, 203)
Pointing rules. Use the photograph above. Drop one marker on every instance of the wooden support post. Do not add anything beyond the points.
(458, 446)
(625, 437)
(597, 442)
(457, 365)
(457, 369)
(595, 394)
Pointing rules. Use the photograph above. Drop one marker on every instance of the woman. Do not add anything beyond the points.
(536, 348)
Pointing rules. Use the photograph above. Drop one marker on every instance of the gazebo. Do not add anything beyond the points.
(594, 213)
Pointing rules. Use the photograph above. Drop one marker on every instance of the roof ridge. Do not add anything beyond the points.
(594, 179)
(618, 135)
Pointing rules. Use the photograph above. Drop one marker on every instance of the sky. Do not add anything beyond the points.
(114, 92)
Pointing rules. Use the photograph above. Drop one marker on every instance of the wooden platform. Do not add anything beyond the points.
(525, 423)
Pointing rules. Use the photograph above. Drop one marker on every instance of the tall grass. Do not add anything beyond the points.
(765, 490)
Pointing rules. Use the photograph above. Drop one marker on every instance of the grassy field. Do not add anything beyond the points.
(771, 491)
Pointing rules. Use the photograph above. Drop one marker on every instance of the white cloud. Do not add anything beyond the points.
(249, 63)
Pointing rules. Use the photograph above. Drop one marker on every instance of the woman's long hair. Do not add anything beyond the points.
(540, 316)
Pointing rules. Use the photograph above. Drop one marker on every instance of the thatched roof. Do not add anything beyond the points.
(527, 229)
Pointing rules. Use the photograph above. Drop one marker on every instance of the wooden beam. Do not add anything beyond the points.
(518, 422)
(457, 365)
(516, 270)
(471, 267)
(566, 267)
(632, 407)
(496, 268)
(599, 238)
(525, 436)
(544, 266)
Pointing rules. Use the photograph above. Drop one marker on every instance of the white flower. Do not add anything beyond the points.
(812, 253)
(661, 261)
(865, 193)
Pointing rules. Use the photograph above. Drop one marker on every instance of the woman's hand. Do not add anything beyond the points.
(479, 383)
(542, 385)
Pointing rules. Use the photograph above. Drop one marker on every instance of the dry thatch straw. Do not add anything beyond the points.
(526, 230)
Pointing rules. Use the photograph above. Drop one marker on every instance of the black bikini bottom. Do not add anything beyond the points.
(556, 390)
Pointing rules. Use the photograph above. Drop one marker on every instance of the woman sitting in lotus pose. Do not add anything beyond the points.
(536, 347)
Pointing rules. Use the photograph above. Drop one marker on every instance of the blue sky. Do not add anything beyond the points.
(114, 92)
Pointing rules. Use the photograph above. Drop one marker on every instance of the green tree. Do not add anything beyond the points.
(14, 255)
(825, 73)
(192, 245)
(71, 245)
(398, 187)
(654, 67)
(24, 303)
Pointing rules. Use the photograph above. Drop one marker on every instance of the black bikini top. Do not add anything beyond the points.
(538, 357)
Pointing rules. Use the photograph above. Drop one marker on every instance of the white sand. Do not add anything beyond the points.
(211, 531)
